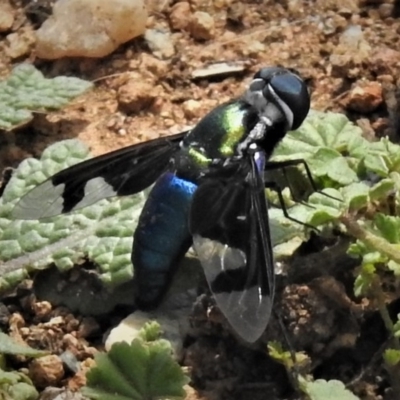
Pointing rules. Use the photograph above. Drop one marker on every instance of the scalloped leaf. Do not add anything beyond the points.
(321, 140)
(381, 189)
(101, 233)
(319, 130)
(27, 90)
(388, 226)
(137, 371)
(328, 390)
(17, 386)
(356, 195)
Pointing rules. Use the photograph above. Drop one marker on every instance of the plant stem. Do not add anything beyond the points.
(391, 251)
(376, 242)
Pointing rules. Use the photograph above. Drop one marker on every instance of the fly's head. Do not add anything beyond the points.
(278, 93)
(281, 100)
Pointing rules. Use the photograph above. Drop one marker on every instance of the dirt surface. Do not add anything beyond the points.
(138, 96)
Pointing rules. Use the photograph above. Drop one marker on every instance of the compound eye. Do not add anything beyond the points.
(292, 91)
(287, 91)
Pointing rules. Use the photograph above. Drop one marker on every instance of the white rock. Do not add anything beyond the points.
(173, 325)
(172, 314)
(90, 28)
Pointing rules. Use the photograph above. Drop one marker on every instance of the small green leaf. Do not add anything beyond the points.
(394, 267)
(364, 280)
(284, 357)
(27, 90)
(328, 390)
(396, 327)
(150, 332)
(326, 207)
(23, 391)
(10, 346)
(356, 195)
(16, 386)
(388, 226)
(381, 189)
(139, 371)
(337, 169)
(377, 163)
(392, 356)
(276, 351)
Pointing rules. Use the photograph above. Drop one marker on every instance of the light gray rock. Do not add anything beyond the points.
(90, 28)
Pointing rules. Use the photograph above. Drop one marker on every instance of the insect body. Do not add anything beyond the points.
(208, 192)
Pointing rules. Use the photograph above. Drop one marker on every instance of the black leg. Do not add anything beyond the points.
(276, 188)
(273, 165)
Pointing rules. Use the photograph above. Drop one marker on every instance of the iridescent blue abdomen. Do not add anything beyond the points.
(161, 237)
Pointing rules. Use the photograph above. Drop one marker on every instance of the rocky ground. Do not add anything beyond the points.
(158, 85)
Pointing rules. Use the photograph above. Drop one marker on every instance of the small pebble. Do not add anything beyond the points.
(180, 15)
(191, 108)
(386, 10)
(6, 16)
(42, 308)
(46, 371)
(19, 44)
(135, 96)
(202, 26)
(160, 43)
(70, 361)
(364, 98)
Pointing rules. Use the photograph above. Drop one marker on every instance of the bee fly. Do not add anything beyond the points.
(208, 192)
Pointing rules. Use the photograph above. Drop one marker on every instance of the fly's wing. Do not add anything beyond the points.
(230, 228)
(122, 172)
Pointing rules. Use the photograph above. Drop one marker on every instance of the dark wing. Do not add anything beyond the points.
(230, 228)
(122, 172)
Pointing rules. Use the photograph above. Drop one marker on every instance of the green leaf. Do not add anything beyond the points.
(23, 391)
(364, 280)
(381, 190)
(10, 346)
(394, 267)
(27, 90)
(392, 356)
(139, 371)
(16, 386)
(150, 332)
(101, 233)
(328, 390)
(336, 169)
(377, 163)
(388, 151)
(320, 130)
(389, 227)
(326, 206)
(284, 357)
(321, 141)
(396, 327)
(356, 195)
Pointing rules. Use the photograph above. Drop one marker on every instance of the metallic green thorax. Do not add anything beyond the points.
(233, 125)
(217, 135)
